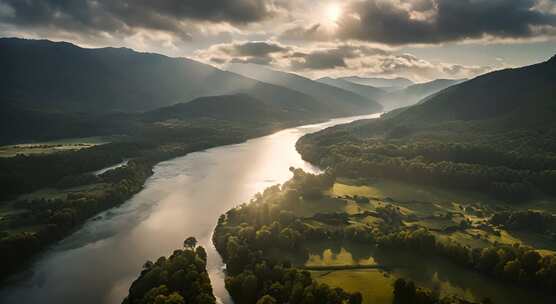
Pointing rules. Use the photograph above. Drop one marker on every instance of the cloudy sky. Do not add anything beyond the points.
(418, 39)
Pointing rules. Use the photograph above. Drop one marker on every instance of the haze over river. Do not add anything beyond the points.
(184, 197)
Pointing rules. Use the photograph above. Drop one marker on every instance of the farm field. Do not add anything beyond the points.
(439, 211)
(70, 144)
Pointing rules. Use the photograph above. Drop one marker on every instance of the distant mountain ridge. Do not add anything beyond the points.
(331, 95)
(393, 97)
(378, 82)
(363, 90)
(416, 93)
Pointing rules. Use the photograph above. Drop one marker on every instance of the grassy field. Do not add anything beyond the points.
(69, 144)
(404, 192)
(374, 285)
(339, 255)
(438, 209)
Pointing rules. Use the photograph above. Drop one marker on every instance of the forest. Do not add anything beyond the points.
(178, 279)
(511, 166)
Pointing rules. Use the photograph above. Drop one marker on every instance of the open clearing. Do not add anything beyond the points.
(70, 144)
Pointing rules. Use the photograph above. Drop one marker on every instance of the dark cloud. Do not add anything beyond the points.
(319, 60)
(436, 21)
(331, 58)
(257, 52)
(128, 15)
(254, 49)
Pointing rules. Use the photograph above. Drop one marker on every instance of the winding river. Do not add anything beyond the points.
(184, 197)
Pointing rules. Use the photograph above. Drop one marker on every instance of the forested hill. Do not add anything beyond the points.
(520, 91)
(239, 107)
(51, 76)
(494, 134)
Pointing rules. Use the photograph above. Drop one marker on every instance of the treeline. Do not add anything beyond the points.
(57, 217)
(178, 279)
(516, 264)
(515, 175)
(405, 292)
(526, 220)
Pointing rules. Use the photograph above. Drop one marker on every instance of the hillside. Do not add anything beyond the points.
(332, 96)
(494, 134)
(364, 90)
(528, 90)
(61, 77)
(239, 107)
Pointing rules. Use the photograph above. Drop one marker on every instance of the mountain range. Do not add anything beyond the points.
(330, 95)
(70, 89)
(385, 83)
(393, 97)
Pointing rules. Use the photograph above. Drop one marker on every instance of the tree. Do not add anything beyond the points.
(190, 242)
(266, 299)
(202, 253)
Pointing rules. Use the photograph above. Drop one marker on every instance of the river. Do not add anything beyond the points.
(184, 197)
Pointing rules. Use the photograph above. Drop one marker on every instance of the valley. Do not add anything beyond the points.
(258, 182)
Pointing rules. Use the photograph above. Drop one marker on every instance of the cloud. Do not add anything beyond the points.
(252, 48)
(126, 17)
(257, 52)
(329, 59)
(398, 22)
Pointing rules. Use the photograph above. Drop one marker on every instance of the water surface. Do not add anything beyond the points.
(184, 197)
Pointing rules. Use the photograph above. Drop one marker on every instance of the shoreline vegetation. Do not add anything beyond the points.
(248, 237)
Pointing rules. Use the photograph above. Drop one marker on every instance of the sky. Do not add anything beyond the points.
(417, 39)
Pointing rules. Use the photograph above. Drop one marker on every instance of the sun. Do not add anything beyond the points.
(333, 12)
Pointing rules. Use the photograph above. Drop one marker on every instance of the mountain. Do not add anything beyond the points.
(398, 82)
(494, 134)
(415, 93)
(332, 96)
(367, 91)
(520, 93)
(41, 75)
